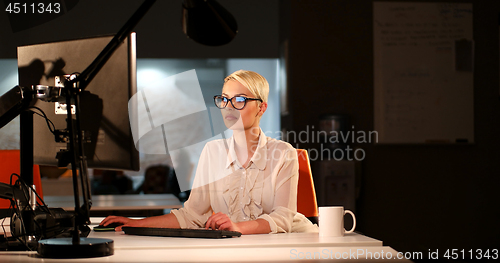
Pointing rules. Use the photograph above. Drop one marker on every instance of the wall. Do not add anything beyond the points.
(159, 33)
(413, 197)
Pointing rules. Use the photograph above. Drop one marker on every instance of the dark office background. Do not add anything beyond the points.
(413, 197)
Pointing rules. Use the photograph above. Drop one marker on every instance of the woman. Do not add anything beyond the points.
(247, 183)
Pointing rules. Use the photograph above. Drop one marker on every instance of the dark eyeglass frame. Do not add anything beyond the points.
(231, 100)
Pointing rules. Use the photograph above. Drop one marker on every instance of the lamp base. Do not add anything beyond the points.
(65, 248)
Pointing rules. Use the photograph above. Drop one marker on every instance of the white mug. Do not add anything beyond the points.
(331, 221)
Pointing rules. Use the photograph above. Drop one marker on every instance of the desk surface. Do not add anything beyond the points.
(260, 254)
(122, 241)
(247, 248)
(119, 202)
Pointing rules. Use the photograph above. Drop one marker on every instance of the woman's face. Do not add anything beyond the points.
(246, 118)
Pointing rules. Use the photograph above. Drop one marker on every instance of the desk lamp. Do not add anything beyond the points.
(204, 21)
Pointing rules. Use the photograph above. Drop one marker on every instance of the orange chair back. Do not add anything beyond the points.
(10, 162)
(306, 195)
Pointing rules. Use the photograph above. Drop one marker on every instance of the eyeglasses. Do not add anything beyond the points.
(238, 102)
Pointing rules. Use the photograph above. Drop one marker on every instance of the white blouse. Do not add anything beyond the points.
(266, 188)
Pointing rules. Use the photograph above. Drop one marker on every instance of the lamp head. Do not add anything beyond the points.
(207, 22)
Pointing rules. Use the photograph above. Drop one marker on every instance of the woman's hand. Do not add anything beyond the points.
(123, 221)
(221, 221)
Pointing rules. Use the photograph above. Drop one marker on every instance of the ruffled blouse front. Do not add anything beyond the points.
(266, 188)
(243, 196)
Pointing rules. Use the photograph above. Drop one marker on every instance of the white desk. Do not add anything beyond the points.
(258, 254)
(247, 248)
(118, 202)
(122, 241)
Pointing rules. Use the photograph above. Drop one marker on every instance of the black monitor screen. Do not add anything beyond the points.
(108, 142)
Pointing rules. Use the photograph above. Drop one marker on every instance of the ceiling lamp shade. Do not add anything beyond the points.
(207, 22)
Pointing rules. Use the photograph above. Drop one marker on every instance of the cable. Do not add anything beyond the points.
(41, 231)
(39, 198)
(38, 227)
(49, 122)
(17, 212)
(17, 208)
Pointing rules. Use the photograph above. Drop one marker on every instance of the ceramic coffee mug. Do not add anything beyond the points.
(331, 221)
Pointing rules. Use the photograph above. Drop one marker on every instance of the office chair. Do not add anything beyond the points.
(10, 162)
(306, 195)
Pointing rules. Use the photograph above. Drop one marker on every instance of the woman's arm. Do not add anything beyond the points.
(166, 221)
(258, 226)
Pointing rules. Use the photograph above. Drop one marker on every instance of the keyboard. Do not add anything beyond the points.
(178, 232)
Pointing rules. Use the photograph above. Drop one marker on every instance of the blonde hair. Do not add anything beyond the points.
(253, 81)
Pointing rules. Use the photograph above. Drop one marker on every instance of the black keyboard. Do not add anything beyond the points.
(178, 232)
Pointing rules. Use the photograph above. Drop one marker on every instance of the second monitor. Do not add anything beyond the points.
(108, 142)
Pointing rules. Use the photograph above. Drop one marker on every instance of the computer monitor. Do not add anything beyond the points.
(104, 116)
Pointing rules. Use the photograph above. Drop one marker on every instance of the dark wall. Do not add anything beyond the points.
(413, 197)
(159, 33)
